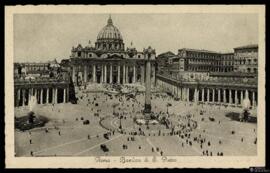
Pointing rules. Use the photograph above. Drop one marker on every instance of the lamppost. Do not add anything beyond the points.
(120, 124)
(168, 104)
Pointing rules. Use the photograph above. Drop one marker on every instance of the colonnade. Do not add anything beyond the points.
(210, 94)
(51, 95)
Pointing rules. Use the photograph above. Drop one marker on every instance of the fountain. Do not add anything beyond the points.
(31, 120)
(246, 108)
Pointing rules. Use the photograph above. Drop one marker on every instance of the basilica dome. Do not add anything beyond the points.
(110, 32)
(109, 38)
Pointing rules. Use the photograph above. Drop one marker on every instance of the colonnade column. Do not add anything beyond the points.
(203, 95)
(41, 96)
(64, 95)
(235, 97)
(218, 95)
(134, 74)
(230, 96)
(213, 95)
(187, 94)
(18, 97)
(195, 95)
(47, 96)
(224, 96)
(111, 73)
(56, 99)
(23, 99)
(241, 97)
(105, 71)
(253, 100)
(118, 74)
(67, 97)
(208, 95)
(94, 73)
(29, 94)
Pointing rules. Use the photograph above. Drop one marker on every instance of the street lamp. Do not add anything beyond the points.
(168, 104)
(120, 124)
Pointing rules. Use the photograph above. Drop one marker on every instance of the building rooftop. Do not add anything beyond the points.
(247, 46)
(199, 50)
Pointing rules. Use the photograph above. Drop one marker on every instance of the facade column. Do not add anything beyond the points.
(124, 73)
(85, 73)
(23, 97)
(134, 74)
(154, 75)
(224, 96)
(235, 97)
(118, 73)
(94, 73)
(230, 96)
(67, 97)
(56, 99)
(29, 94)
(253, 100)
(241, 97)
(218, 95)
(246, 95)
(127, 73)
(47, 96)
(111, 73)
(41, 96)
(64, 95)
(102, 73)
(213, 95)
(142, 74)
(187, 94)
(73, 74)
(53, 95)
(18, 97)
(208, 95)
(195, 95)
(105, 71)
(203, 95)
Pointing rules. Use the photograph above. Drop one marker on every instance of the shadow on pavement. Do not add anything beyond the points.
(235, 116)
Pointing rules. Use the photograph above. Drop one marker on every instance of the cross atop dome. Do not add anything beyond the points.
(110, 20)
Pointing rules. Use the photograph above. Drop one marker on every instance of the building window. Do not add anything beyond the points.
(79, 54)
(248, 70)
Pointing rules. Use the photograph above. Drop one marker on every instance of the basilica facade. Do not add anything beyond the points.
(109, 62)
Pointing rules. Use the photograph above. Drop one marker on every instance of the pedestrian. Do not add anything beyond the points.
(31, 153)
(88, 136)
(30, 141)
(242, 139)
(59, 133)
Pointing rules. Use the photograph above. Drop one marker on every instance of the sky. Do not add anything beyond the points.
(43, 37)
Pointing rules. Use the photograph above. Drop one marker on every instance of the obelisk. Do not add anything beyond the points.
(147, 105)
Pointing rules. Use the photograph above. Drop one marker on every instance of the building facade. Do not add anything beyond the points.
(246, 59)
(109, 62)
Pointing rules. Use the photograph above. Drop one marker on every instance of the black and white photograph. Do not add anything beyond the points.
(135, 86)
